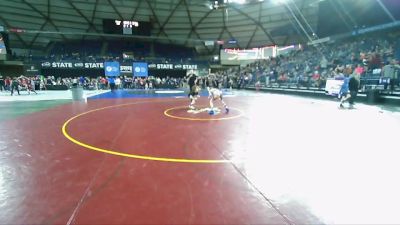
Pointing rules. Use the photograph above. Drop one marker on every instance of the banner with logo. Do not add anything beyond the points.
(123, 67)
(3, 49)
(333, 86)
(73, 65)
(170, 66)
(31, 69)
(140, 69)
(209, 43)
(111, 69)
(126, 69)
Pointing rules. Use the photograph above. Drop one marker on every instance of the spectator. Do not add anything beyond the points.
(14, 86)
(2, 84)
(111, 81)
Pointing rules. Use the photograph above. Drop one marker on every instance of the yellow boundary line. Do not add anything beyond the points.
(166, 113)
(113, 152)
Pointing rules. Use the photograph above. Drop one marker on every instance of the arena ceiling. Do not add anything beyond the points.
(188, 22)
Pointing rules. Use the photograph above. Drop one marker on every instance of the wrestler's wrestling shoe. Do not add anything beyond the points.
(226, 110)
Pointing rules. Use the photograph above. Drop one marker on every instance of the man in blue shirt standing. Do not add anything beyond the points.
(82, 81)
(111, 81)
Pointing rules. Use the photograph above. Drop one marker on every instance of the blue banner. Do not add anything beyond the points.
(140, 69)
(111, 69)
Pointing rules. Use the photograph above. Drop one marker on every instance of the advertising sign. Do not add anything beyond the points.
(140, 69)
(333, 86)
(111, 69)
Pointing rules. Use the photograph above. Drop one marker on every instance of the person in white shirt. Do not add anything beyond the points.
(216, 94)
(118, 82)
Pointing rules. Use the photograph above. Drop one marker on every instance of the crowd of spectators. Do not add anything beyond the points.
(37, 83)
(311, 66)
(16, 84)
(125, 82)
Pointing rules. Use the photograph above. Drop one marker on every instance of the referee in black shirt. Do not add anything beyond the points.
(353, 88)
(192, 81)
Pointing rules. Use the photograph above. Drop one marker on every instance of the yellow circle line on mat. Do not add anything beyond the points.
(113, 152)
(166, 113)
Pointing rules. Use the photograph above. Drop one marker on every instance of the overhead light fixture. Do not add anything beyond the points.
(237, 1)
(279, 1)
(219, 4)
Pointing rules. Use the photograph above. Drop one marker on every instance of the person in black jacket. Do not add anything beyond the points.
(353, 88)
(14, 86)
(2, 83)
(194, 90)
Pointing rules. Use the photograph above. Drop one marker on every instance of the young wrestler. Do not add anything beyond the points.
(216, 94)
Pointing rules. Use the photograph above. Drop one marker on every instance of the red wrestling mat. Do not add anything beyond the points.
(49, 179)
(150, 161)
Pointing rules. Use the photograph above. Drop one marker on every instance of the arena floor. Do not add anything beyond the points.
(142, 158)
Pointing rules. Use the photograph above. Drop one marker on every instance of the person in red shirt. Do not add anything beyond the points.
(30, 85)
(316, 78)
(103, 82)
(23, 82)
(359, 70)
(8, 83)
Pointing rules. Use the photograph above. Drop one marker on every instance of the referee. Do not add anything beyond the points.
(353, 88)
(192, 81)
(193, 90)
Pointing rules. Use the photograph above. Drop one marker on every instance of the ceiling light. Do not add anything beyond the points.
(279, 1)
(237, 1)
